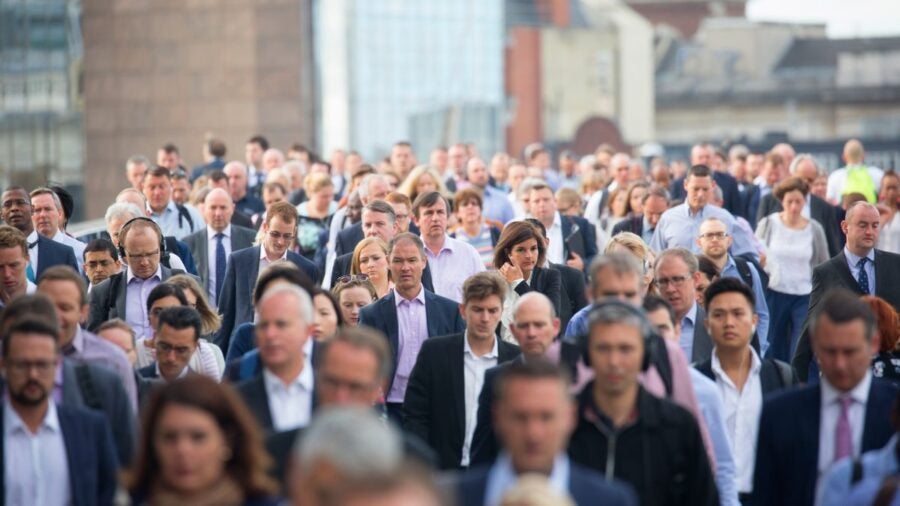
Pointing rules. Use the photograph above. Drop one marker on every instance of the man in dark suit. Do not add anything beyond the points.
(677, 274)
(124, 295)
(373, 187)
(534, 326)
(572, 238)
(15, 210)
(281, 397)
(655, 203)
(442, 396)
(409, 315)
(244, 267)
(879, 275)
(803, 432)
(211, 246)
(529, 393)
(77, 459)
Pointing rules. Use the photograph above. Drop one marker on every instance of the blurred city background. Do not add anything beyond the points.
(84, 84)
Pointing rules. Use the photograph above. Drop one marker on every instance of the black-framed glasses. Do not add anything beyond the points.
(674, 281)
(23, 366)
(355, 277)
(714, 235)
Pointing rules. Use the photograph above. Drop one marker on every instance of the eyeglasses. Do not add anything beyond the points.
(166, 348)
(356, 277)
(278, 236)
(137, 257)
(674, 281)
(714, 235)
(15, 203)
(23, 366)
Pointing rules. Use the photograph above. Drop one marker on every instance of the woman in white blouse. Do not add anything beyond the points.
(889, 238)
(795, 245)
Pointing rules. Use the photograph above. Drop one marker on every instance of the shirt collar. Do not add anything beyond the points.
(304, 380)
(854, 260)
(467, 350)
(557, 220)
(32, 237)
(58, 236)
(262, 254)
(687, 210)
(859, 393)
(130, 275)
(502, 476)
(755, 364)
(211, 232)
(12, 423)
(691, 315)
(398, 299)
(182, 374)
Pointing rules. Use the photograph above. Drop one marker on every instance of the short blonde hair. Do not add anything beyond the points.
(317, 181)
(354, 263)
(631, 242)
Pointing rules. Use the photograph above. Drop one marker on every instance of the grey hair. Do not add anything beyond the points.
(304, 301)
(237, 164)
(803, 158)
(380, 206)
(536, 296)
(363, 187)
(137, 160)
(527, 184)
(355, 441)
(616, 312)
(620, 263)
(121, 209)
(683, 253)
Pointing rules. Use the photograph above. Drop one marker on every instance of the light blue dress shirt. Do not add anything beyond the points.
(169, 223)
(713, 413)
(686, 339)
(502, 477)
(853, 263)
(762, 307)
(136, 293)
(678, 227)
(496, 206)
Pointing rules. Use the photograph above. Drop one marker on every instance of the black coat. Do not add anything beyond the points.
(660, 454)
(253, 391)
(435, 406)
(545, 281)
(572, 296)
(633, 224)
(835, 273)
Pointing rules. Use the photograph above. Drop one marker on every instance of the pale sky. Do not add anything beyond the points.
(845, 18)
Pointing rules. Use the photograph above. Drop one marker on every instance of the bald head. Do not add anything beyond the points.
(853, 152)
(535, 324)
(132, 196)
(237, 179)
(218, 209)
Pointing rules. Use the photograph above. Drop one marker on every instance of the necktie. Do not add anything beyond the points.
(863, 277)
(220, 265)
(843, 436)
(29, 271)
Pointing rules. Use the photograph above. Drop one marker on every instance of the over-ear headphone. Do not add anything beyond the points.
(612, 310)
(163, 254)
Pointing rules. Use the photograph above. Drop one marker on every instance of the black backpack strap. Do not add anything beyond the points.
(183, 212)
(857, 473)
(86, 386)
(705, 368)
(743, 268)
(660, 358)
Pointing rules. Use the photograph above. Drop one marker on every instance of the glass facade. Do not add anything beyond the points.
(419, 70)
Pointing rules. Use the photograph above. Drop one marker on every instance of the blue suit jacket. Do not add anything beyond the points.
(90, 456)
(587, 487)
(51, 253)
(442, 315)
(787, 454)
(236, 296)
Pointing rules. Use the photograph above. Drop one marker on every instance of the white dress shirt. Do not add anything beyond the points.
(37, 468)
(831, 411)
(211, 243)
(742, 411)
(291, 405)
(556, 248)
(474, 368)
(264, 259)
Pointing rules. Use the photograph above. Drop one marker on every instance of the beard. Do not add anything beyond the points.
(21, 396)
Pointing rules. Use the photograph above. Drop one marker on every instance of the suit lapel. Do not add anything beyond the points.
(843, 270)
(253, 268)
(432, 314)
(201, 256)
(74, 449)
(702, 348)
(809, 432)
(71, 393)
(883, 283)
(389, 313)
(43, 256)
(260, 402)
(458, 385)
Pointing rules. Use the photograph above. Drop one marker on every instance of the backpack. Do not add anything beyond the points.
(184, 214)
(743, 262)
(86, 386)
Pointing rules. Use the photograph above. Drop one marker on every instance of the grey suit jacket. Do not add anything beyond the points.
(241, 237)
(703, 345)
(107, 300)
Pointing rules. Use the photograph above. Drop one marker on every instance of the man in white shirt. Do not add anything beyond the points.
(452, 260)
(46, 216)
(281, 398)
(429, 410)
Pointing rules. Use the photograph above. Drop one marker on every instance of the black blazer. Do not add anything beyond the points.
(343, 263)
(821, 211)
(484, 447)
(633, 224)
(198, 242)
(435, 407)
(703, 345)
(586, 487)
(787, 453)
(236, 297)
(442, 315)
(545, 281)
(572, 296)
(348, 238)
(51, 253)
(107, 299)
(90, 456)
(579, 237)
(253, 391)
(835, 273)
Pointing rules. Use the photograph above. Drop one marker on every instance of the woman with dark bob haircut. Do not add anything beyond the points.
(200, 445)
(520, 256)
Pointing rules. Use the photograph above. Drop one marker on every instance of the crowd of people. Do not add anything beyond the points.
(290, 329)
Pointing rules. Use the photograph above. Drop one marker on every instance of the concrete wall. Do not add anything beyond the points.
(159, 71)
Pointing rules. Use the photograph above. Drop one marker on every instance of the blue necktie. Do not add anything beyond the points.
(863, 277)
(220, 265)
